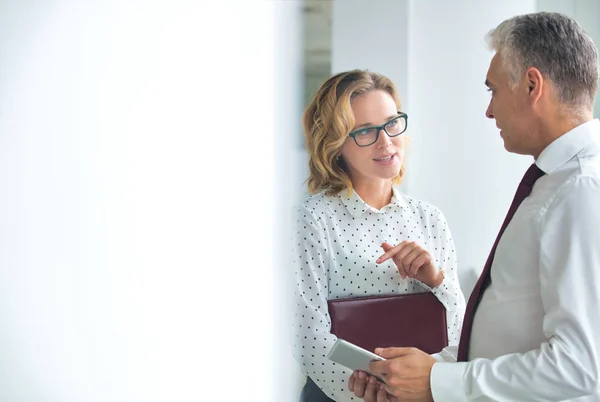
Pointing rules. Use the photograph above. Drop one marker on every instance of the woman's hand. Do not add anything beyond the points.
(413, 261)
(367, 387)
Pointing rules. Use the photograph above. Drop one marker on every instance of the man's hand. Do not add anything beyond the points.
(405, 372)
(413, 261)
(367, 387)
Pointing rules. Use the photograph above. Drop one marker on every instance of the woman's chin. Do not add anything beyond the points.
(388, 175)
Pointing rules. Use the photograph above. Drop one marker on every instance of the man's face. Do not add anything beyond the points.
(509, 107)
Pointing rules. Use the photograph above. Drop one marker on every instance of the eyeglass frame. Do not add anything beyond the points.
(379, 128)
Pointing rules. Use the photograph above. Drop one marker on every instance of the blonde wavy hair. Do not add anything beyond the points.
(328, 120)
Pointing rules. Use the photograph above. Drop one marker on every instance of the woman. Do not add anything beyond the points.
(354, 135)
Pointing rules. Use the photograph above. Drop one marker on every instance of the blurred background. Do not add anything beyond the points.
(150, 154)
(436, 54)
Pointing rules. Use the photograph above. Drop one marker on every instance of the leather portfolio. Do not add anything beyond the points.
(410, 320)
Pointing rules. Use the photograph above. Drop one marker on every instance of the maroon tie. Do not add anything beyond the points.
(524, 189)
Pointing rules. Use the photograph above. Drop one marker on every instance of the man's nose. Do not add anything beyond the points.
(489, 112)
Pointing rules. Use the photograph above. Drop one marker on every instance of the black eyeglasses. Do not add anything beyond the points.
(364, 137)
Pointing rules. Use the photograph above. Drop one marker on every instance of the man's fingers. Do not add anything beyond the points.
(391, 353)
(379, 368)
(351, 381)
(371, 390)
(381, 394)
(360, 383)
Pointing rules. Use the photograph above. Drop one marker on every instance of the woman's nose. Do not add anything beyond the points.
(384, 140)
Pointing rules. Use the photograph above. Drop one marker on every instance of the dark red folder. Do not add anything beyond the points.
(411, 320)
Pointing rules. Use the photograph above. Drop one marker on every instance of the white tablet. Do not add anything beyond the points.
(351, 356)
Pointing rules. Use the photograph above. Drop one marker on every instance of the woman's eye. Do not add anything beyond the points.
(366, 131)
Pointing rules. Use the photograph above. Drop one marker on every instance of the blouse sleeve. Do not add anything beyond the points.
(313, 339)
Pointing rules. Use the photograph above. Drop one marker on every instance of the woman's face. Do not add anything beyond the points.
(383, 159)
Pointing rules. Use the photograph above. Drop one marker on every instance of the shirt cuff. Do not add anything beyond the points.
(448, 382)
(438, 288)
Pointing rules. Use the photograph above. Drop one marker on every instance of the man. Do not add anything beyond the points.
(532, 328)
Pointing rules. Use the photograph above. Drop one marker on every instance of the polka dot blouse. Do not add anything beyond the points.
(337, 242)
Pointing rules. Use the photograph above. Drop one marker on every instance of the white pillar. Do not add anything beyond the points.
(143, 158)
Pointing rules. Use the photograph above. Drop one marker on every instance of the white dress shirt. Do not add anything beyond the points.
(338, 240)
(536, 332)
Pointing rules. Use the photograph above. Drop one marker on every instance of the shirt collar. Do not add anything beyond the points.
(356, 206)
(565, 147)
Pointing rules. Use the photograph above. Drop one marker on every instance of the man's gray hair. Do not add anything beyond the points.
(554, 44)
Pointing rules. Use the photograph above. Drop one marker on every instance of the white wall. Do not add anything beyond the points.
(373, 35)
(586, 12)
(140, 200)
(458, 161)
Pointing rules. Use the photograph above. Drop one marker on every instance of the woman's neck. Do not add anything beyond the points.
(375, 194)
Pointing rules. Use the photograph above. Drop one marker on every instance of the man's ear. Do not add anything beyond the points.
(535, 83)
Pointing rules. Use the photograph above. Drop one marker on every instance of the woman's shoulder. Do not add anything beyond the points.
(315, 204)
(315, 210)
